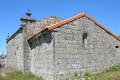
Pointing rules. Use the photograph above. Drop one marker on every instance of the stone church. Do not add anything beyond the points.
(56, 49)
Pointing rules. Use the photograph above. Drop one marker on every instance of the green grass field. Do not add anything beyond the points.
(107, 76)
(111, 74)
(18, 75)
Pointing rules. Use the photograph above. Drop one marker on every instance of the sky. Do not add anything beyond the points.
(106, 12)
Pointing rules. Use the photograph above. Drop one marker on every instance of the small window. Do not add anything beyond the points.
(116, 46)
(84, 37)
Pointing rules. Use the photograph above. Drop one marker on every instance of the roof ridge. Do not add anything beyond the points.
(66, 21)
(79, 16)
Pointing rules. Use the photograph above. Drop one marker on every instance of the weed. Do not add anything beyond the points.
(88, 76)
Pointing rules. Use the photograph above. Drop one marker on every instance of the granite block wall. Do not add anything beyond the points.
(15, 58)
(42, 55)
(2, 61)
(63, 51)
(70, 54)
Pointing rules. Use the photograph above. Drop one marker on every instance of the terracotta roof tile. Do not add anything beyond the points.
(79, 16)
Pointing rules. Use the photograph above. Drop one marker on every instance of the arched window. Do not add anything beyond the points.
(84, 37)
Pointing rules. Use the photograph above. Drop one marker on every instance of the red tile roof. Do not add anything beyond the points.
(79, 16)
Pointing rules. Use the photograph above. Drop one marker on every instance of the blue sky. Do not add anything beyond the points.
(106, 12)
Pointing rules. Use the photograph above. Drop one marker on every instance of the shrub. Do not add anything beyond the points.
(114, 68)
(88, 76)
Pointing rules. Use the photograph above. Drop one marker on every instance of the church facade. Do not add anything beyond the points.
(56, 49)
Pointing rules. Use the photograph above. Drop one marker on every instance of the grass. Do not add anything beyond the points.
(88, 76)
(107, 76)
(112, 73)
(18, 75)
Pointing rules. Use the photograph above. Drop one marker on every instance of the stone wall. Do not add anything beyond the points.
(42, 55)
(70, 54)
(15, 57)
(38, 26)
(2, 61)
(63, 51)
(18, 48)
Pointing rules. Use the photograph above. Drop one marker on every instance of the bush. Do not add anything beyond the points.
(88, 76)
(114, 68)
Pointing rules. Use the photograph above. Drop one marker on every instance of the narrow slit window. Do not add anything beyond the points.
(84, 37)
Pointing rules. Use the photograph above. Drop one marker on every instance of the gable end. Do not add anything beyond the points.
(79, 16)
